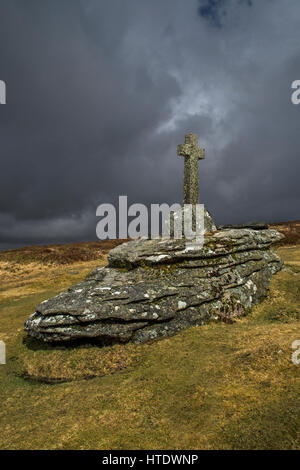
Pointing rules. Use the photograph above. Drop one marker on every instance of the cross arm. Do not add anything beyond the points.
(185, 150)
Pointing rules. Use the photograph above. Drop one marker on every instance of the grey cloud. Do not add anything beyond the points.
(100, 93)
(216, 11)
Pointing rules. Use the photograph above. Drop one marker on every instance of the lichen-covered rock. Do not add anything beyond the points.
(162, 251)
(154, 288)
(191, 219)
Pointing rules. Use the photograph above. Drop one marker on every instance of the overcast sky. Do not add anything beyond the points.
(100, 92)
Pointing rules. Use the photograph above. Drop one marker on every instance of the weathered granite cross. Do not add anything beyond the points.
(191, 153)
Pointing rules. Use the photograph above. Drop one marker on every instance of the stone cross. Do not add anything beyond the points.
(191, 153)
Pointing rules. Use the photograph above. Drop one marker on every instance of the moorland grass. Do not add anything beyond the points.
(217, 386)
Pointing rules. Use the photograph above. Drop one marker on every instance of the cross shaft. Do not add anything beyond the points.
(192, 154)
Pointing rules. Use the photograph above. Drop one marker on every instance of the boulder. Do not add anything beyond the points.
(155, 288)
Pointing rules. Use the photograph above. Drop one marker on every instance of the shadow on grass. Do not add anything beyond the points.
(34, 344)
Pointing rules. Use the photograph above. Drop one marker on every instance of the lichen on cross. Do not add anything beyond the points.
(192, 154)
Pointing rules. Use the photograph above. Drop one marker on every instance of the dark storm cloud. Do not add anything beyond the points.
(215, 11)
(100, 93)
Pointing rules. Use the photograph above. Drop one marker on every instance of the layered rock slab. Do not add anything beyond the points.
(154, 288)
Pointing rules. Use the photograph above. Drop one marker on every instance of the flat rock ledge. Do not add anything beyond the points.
(155, 288)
